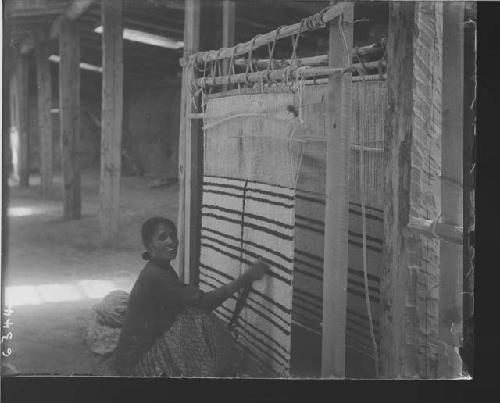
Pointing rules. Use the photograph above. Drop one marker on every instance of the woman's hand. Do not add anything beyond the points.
(257, 270)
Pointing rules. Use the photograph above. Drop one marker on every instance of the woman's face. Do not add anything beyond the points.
(164, 242)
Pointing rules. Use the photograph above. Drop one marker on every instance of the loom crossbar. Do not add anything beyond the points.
(324, 17)
(274, 75)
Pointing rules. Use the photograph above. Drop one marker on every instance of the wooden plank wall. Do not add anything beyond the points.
(451, 257)
(410, 293)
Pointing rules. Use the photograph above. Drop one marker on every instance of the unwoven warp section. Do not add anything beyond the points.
(248, 213)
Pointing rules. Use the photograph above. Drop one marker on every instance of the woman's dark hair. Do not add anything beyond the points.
(149, 228)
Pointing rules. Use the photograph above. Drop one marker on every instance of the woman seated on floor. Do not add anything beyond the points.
(169, 329)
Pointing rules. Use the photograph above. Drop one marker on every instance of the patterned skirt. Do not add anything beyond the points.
(198, 344)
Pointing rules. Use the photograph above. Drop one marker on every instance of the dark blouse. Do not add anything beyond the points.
(155, 300)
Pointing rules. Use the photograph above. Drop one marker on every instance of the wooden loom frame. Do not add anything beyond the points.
(336, 215)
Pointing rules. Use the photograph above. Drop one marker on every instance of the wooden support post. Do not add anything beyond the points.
(410, 280)
(189, 160)
(44, 93)
(451, 256)
(69, 107)
(469, 209)
(112, 117)
(19, 135)
(337, 199)
(228, 26)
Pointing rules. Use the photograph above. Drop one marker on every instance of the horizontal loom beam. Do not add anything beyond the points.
(324, 17)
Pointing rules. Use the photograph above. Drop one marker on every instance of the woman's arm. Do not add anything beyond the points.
(175, 293)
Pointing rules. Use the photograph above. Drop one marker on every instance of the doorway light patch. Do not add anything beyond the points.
(147, 38)
(83, 65)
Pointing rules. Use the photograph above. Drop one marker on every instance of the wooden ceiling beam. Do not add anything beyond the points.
(71, 12)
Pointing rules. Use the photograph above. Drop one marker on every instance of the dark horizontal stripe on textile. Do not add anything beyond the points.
(309, 198)
(259, 346)
(309, 265)
(257, 338)
(272, 202)
(248, 299)
(362, 285)
(252, 291)
(308, 294)
(246, 261)
(220, 217)
(306, 321)
(223, 185)
(364, 325)
(269, 231)
(252, 254)
(309, 255)
(247, 214)
(305, 300)
(306, 273)
(223, 316)
(368, 237)
(264, 316)
(309, 228)
(363, 317)
(256, 245)
(360, 333)
(369, 216)
(221, 193)
(360, 245)
(360, 273)
(314, 312)
(362, 295)
(272, 194)
(311, 220)
(375, 209)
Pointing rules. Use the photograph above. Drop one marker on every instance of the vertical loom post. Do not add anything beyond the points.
(337, 199)
(470, 58)
(451, 255)
(44, 89)
(69, 107)
(188, 155)
(112, 117)
(228, 26)
(19, 121)
(410, 278)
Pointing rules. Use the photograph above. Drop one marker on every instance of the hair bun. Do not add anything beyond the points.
(146, 256)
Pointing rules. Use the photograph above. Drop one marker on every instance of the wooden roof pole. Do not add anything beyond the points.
(69, 106)
(112, 119)
(44, 105)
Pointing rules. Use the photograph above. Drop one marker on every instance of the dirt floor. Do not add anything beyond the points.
(57, 270)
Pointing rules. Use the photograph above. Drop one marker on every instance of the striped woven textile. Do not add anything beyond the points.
(308, 270)
(241, 222)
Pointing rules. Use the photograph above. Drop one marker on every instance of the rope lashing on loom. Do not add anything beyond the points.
(363, 220)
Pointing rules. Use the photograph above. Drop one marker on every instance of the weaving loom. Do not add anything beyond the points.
(264, 196)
